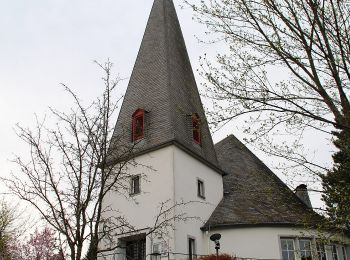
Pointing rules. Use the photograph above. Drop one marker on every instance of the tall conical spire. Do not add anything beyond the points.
(163, 85)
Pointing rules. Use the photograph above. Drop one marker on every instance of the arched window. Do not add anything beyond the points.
(196, 128)
(138, 125)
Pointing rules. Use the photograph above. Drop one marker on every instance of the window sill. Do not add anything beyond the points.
(197, 143)
(201, 197)
(138, 141)
(134, 194)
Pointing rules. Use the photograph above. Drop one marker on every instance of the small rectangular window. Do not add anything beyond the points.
(156, 248)
(200, 189)
(305, 249)
(334, 252)
(135, 185)
(288, 250)
(345, 257)
(138, 128)
(321, 251)
(196, 128)
(156, 254)
(138, 131)
(191, 249)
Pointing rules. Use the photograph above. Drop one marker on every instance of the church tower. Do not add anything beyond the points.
(162, 121)
(163, 129)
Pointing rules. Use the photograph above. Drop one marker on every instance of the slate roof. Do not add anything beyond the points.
(162, 83)
(253, 194)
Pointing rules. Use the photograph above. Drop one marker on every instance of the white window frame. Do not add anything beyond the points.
(156, 248)
(331, 251)
(294, 249)
(334, 253)
(345, 256)
(321, 251)
(301, 251)
(298, 250)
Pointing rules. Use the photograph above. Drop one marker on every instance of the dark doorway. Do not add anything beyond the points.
(136, 249)
(191, 249)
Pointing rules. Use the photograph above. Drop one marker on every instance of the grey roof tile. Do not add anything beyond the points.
(254, 195)
(163, 84)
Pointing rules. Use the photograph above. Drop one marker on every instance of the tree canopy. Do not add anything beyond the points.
(286, 70)
(11, 228)
(66, 176)
(71, 168)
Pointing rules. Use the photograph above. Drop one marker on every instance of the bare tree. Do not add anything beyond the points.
(67, 175)
(287, 70)
(73, 166)
(287, 74)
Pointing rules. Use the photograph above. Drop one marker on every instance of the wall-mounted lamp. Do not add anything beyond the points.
(216, 239)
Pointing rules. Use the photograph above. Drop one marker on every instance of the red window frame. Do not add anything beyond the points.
(138, 125)
(196, 128)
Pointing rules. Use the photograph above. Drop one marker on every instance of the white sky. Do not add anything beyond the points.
(45, 42)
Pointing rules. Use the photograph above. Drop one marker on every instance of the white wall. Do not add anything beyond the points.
(186, 171)
(156, 169)
(156, 187)
(173, 177)
(259, 242)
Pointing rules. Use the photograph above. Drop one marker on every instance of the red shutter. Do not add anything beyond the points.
(196, 129)
(138, 125)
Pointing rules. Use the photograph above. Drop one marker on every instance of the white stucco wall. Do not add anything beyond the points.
(261, 242)
(156, 187)
(173, 177)
(156, 170)
(187, 170)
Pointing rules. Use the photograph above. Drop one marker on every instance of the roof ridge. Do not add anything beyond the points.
(168, 67)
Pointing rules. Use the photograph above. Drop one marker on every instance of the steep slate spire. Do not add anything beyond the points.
(163, 84)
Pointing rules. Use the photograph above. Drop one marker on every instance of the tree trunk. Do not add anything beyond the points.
(93, 249)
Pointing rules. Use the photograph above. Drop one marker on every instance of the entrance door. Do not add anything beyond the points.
(136, 250)
(191, 249)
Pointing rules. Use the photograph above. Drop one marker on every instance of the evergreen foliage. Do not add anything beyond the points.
(336, 183)
(7, 229)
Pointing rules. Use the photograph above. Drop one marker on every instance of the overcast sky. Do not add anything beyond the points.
(44, 43)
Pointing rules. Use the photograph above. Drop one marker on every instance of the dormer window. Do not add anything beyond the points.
(138, 125)
(196, 128)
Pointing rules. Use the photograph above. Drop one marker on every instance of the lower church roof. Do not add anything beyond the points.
(253, 194)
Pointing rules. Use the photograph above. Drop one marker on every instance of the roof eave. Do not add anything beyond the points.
(247, 225)
(166, 144)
